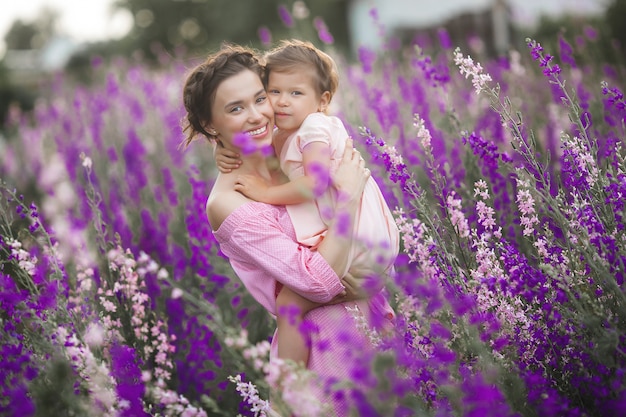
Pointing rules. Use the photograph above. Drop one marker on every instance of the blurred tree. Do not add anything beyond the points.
(23, 36)
(615, 17)
(12, 95)
(32, 35)
(20, 35)
(579, 30)
(189, 26)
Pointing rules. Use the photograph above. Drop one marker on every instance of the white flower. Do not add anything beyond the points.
(94, 335)
(467, 67)
(86, 160)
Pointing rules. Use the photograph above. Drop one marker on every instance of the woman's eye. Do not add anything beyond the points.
(261, 99)
(236, 109)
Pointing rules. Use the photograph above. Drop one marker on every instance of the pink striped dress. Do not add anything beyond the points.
(260, 242)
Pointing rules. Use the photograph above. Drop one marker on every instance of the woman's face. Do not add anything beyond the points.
(241, 106)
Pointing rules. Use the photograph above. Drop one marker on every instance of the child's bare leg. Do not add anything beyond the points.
(291, 308)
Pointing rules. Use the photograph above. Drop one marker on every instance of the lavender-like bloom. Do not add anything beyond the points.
(250, 395)
(322, 31)
(468, 68)
(367, 57)
(526, 205)
(394, 163)
(265, 35)
(248, 145)
(536, 51)
(285, 16)
(566, 52)
(444, 38)
(130, 389)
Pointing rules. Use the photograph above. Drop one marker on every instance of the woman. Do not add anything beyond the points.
(225, 96)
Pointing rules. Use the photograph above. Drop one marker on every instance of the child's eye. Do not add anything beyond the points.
(274, 91)
(297, 93)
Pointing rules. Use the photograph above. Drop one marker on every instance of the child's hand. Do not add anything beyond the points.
(226, 159)
(252, 187)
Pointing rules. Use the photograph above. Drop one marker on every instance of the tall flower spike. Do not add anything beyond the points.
(467, 67)
(423, 134)
(526, 205)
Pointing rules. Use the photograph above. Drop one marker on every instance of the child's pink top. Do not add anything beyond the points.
(260, 242)
(376, 233)
(377, 239)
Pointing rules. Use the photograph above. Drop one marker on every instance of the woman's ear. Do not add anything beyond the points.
(324, 101)
(210, 130)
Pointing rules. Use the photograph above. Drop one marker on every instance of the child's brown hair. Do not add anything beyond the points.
(293, 54)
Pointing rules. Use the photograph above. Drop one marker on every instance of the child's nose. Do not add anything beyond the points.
(282, 100)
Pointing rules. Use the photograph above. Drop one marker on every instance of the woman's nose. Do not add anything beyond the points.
(255, 114)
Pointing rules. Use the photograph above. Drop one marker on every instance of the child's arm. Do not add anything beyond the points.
(316, 160)
(225, 159)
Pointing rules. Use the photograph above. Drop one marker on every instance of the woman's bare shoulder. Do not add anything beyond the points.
(221, 204)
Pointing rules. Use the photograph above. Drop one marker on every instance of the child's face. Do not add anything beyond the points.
(293, 96)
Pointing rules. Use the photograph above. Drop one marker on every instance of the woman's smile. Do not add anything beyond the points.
(258, 132)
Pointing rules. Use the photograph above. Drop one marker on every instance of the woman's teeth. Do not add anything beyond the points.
(257, 131)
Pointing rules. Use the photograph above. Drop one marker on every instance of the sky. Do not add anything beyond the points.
(524, 11)
(93, 20)
(83, 20)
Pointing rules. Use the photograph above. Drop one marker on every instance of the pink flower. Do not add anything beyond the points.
(526, 205)
(456, 215)
(467, 67)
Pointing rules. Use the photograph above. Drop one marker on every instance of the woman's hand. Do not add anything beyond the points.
(225, 159)
(349, 180)
(351, 175)
(360, 284)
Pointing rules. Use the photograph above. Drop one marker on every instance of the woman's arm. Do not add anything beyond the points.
(259, 250)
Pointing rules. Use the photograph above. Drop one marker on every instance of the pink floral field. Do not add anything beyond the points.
(507, 178)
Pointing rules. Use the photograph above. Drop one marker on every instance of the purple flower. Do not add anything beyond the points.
(367, 57)
(591, 33)
(248, 145)
(265, 35)
(444, 38)
(20, 403)
(322, 31)
(285, 16)
(125, 369)
(566, 52)
(536, 49)
(544, 60)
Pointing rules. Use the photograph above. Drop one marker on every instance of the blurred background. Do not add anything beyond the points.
(39, 38)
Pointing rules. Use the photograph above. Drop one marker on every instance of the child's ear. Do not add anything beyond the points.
(324, 101)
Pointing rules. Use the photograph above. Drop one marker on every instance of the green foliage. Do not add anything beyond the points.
(191, 27)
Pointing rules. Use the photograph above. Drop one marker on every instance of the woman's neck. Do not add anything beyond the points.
(256, 164)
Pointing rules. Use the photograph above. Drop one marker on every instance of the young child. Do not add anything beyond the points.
(301, 81)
